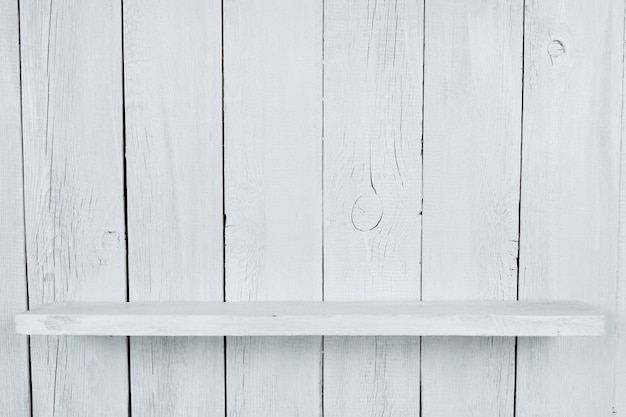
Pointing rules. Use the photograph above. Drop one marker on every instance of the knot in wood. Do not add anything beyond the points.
(367, 212)
(110, 240)
(556, 48)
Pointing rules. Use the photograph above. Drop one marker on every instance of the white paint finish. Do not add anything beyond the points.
(372, 198)
(472, 135)
(173, 91)
(372, 146)
(619, 389)
(570, 194)
(273, 150)
(177, 376)
(273, 195)
(573, 110)
(172, 58)
(378, 376)
(15, 380)
(274, 376)
(472, 107)
(468, 376)
(74, 196)
(275, 318)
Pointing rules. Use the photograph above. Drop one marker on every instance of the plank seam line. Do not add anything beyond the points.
(422, 149)
(224, 213)
(323, 153)
(125, 180)
(223, 165)
(28, 350)
(421, 297)
(519, 207)
(323, 340)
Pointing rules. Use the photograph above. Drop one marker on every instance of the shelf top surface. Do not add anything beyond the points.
(304, 308)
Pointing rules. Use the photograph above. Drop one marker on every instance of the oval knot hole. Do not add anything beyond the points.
(367, 212)
(556, 48)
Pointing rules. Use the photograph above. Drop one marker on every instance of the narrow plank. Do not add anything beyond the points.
(280, 318)
(570, 179)
(472, 113)
(74, 196)
(372, 198)
(15, 381)
(173, 99)
(273, 174)
(619, 390)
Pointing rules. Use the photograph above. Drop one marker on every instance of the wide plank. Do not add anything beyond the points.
(273, 196)
(14, 358)
(74, 196)
(472, 135)
(570, 189)
(291, 318)
(173, 99)
(372, 197)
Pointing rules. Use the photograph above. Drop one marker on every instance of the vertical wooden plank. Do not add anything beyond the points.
(15, 380)
(273, 196)
(570, 179)
(472, 122)
(372, 195)
(619, 389)
(173, 99)
(74, 196)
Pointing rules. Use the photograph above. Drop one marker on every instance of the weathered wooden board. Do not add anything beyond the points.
(14, 366)
(372, 196)
(74, 196)
(273, 195)
(619, 390)
(173, 99)
(569, 206)
(370, 219)
(472, 134)
(290, 318)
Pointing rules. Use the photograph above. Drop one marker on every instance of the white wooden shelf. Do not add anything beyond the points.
(403, 318)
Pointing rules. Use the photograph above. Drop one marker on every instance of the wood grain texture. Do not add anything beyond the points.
(291, 318)
(472, 113)
(74, 196)
(569, 211)
(173, 99)
(14, 368)
(619, 389)
(273, 195)
(372, 195)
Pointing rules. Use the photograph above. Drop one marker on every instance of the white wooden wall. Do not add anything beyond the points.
(240, 150)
